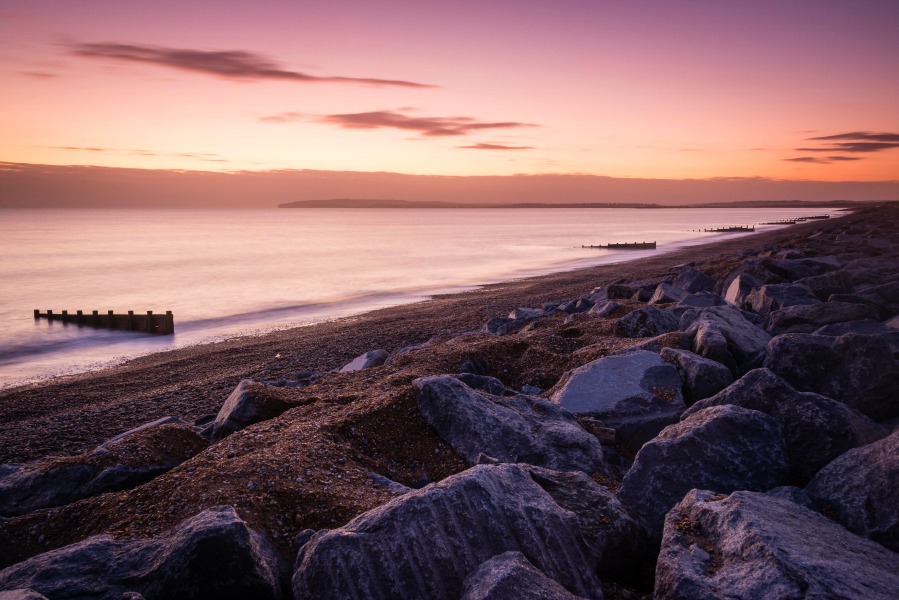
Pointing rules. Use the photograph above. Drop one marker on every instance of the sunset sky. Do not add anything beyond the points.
(644, 89)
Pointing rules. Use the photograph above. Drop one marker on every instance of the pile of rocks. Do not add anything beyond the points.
(748, 448)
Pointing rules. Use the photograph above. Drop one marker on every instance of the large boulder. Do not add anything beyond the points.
(768, 298)
(515, 429)
(806, 318)
(755, 546)
(702, 377)
(21, 594)
(816, 429)
(123, 464)
(249, 403)
(211, 555)
(693, 280)
(505, 325)
(647, 321)
(859, 490)
(858, 370)
(641, 290)
(426, 543)
(864, 327)
(701, 300)
(825, 285)
(666, 293)
(636, 393)
(738, 290)
(509, 576)
(725, 335)
(723, 448)
(372, 358)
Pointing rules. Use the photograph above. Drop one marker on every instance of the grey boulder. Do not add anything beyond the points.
(666, 293)
(702, 377)
(858, 370)
(605, 309)
(768, 298)
(21, 594)
(426, 543)
(211, 555)
(723, 448)
(514, 429)
(505, 325)
(372, 358)
(723, 334)
(816, 429)
(249, 403)
(636, 393)
(509, 576)
(738, 290)
(701, 300)
(806, 318)
(647, 321)
(693, 280)
(859, 490)
(754, 546)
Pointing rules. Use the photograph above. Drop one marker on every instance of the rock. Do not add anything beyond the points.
(211, 555)
(863, 327)
(606, 309)
(505, 325)
(739, 289)
(702, 377)
(119, 465)
(476, 365)
(894, 322)
(484, 383)
(640, 290)
(672, 339)
(21, 594)
(723, 448)
(426, 543)
(693, 280)
(636, 393)
(723, 334)
(806, 318)
(750, 545)
(156, 423)
(526, 313)
(823, 286)
(816, 429)
(857, 370)
(666, 293)
(859, 491)
(509, 576)
(249, 403)
(646, 322)
(516, 429)
(768, 298)
(701, 300)
(372, 358)
(793, 494)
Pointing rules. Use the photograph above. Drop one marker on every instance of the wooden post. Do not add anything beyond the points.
(65, 316)
(130, 320)
(49, 315)
(96, 317)
(169, 322)
(37, 313)
(111, 318)
(78, 317)
(150, 322)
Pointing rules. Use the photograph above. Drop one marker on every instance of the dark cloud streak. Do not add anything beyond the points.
(485, 146)
(426, 126)
(228, 64)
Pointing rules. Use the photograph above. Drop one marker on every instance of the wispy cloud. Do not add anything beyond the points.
(38, 74)
(285, 117)
(204, 156)
(822, 160)
(425, 126)
(485, 146)
(855, 141)
(229, 64)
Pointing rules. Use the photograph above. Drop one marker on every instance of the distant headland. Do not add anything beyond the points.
(391, 203)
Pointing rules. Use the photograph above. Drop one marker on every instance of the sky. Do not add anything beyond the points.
(657, 89)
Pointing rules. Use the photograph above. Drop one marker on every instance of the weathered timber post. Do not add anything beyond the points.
(111, 323)
(150, 322)
(65, 316)
(130, 320)
(37, 313)
(79, 316)
(169, 322)
(95, 315)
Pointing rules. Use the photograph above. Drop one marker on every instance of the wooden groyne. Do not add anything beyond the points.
(813, 217)
(627, 246)
(732, 229)
(781, 222)
(159, 324)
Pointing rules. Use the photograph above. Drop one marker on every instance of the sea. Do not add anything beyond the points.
(228, 273)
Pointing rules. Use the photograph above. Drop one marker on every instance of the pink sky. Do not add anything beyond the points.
(643, 89)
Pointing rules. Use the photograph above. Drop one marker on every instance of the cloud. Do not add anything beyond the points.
(822, 160)
(228, 64)
(38, 75)
(285, 117)
(426, 126)
(204, 156)
(495, 147)
(854, 141)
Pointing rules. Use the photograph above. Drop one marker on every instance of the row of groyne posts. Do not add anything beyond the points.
(159, 324)
(730, 229)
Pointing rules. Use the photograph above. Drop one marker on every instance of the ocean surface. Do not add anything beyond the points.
(228, 273)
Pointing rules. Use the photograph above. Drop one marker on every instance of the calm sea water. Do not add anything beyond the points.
(229, 273)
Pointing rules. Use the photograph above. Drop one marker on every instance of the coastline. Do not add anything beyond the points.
(193, 381)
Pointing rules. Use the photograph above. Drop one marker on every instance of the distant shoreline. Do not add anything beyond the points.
(390, 203)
